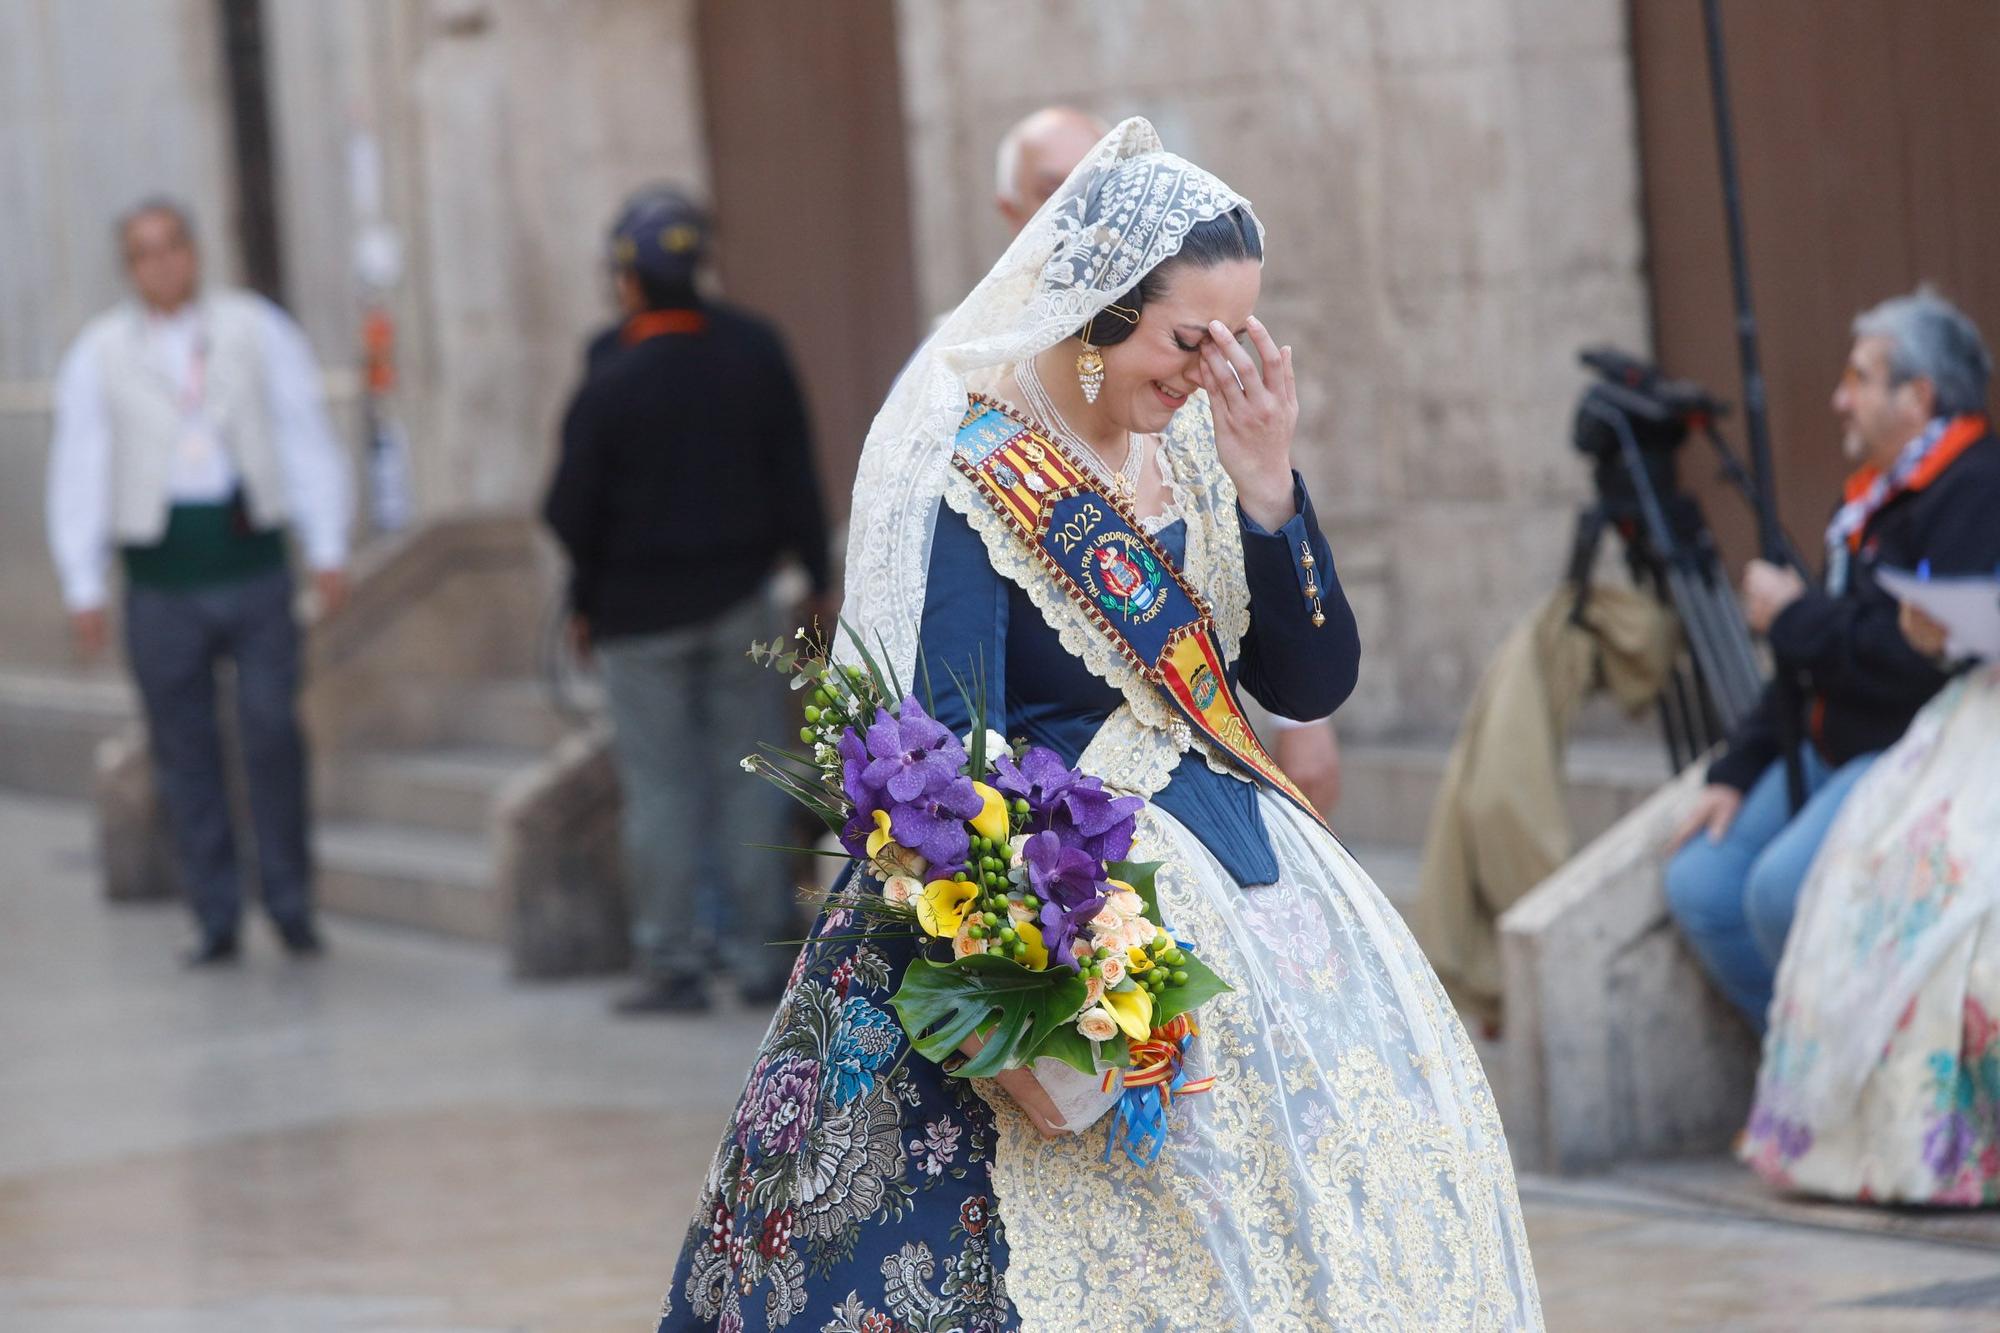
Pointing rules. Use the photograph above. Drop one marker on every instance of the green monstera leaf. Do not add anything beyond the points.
(1074, 1049)
(1013, 1009)
(1201, 986)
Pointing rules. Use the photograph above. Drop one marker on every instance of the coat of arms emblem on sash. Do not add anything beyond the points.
(1124, 577)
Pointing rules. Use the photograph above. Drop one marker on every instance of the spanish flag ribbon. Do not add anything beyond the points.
(1156, 1075)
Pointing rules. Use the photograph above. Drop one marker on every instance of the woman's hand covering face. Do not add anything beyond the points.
(1256, 411)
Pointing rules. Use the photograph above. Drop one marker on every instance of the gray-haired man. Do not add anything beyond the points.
(1912, 402)
(188, 435)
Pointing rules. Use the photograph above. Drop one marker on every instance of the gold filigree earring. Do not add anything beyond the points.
(1089, 367)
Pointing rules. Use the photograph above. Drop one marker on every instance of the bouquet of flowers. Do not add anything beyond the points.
(1036, 936)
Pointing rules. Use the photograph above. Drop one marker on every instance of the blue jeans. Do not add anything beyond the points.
(1734, 897)
(686, 705)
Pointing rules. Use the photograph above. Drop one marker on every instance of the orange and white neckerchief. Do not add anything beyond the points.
(1920, 463)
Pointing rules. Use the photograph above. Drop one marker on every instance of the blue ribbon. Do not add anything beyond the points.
(1139, 1118)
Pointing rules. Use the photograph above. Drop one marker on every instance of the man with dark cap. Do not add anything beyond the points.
(686, 475)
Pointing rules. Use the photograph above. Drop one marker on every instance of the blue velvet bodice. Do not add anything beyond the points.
(978, 624)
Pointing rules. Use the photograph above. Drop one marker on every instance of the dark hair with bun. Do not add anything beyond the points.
(1220, 240)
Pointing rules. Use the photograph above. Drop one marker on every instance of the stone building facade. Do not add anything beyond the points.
(1451, 189)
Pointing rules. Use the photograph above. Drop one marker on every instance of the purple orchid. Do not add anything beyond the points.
(1071, 804)
(910, 767)
(910, 755)
(1071, 885)
(853, 762)
(854, 759)
(933, 826)
(854, 834)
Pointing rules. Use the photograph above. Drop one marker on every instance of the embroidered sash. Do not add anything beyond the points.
(1106, 564)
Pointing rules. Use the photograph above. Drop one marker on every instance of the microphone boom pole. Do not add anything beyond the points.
(1770, 536)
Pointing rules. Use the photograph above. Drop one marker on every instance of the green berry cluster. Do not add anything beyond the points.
(829, 711)
(987, 868)
(1168, 970)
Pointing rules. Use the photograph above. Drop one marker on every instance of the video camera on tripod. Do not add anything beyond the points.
(1632, 423)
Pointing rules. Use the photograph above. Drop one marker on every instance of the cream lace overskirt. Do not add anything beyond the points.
(1348, 1170)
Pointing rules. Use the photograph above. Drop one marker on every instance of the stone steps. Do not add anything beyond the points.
(514, 714)
(51, 725)
(408, 836)
(425, 879)
(407, 832)
(446, 788)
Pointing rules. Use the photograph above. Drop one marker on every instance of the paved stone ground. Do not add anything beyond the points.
(395, 1137)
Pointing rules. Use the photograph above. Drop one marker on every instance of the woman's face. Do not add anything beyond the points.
(1149, 375)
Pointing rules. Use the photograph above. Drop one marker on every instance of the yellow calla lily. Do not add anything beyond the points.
(941, 906)
(880, 837)
(1137, 961)
(1120, 884)
(1133, 1009)
(889, 856)
(991, 821)
(1037, 959)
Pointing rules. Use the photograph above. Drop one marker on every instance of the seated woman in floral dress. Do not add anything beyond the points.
(1881, 1072)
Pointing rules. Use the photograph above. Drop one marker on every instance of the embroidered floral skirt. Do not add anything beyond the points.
(850, 1193)
(1347, 1171)
(1881, 1073)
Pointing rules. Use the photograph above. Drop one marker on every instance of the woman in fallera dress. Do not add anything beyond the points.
(1347, 1170)
(1881, 1073)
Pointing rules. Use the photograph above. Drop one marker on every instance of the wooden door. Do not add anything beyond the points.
(807, 164)
(1866, 133)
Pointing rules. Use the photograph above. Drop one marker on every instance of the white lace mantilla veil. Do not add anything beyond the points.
(1125, 209)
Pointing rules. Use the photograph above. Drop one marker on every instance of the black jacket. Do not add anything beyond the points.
(686, 474)
(1866, 681)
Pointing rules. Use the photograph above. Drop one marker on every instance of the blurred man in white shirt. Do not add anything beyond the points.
(189, 435)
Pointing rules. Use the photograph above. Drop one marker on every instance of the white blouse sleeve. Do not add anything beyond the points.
(79, 480)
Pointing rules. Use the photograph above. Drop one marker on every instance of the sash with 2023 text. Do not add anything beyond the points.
(1115, 573)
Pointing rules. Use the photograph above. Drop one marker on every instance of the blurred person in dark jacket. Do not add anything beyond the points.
(686, 477)
(1912, 402)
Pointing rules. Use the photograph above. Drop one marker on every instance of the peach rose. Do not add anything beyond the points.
(1097, 1024)
(1136, 934)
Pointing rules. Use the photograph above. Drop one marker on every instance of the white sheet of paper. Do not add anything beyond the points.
(1968, 607)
